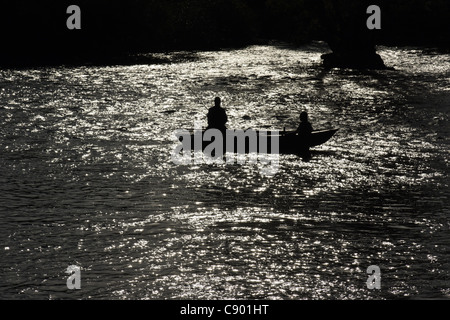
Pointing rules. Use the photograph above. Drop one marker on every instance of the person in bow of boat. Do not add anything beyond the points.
(217, 117)
(305, 127)
(304, 130)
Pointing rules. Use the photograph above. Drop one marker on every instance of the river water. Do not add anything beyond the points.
(86, 179)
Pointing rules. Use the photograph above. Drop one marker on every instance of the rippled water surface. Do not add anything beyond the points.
(86, 178)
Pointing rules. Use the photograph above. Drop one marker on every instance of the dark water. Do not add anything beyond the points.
(86, 178)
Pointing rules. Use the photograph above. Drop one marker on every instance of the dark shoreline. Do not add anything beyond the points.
(175, 55)
(123, 32)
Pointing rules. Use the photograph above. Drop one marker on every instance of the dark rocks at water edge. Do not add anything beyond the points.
(353, 60)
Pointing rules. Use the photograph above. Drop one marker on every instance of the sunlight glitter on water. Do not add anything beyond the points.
(86, 178)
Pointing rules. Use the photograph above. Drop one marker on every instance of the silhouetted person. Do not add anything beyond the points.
(217, 117)
(305, 127)
(304, 130)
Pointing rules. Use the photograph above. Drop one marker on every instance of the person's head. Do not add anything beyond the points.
(217, 101)
(303, 116)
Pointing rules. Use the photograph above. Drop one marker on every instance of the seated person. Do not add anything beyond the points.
(217, 117)
(305, 127)
(304, 130)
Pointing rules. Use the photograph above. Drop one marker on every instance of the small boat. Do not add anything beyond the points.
(289, 141)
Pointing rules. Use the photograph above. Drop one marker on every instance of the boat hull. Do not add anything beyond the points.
(260, 141)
